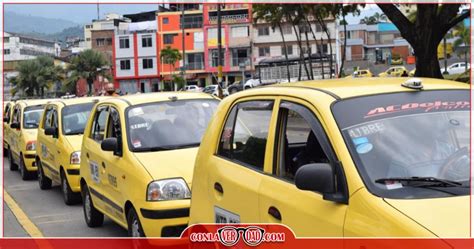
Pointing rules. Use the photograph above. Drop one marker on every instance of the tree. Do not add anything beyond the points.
(373, 19)
(432, 23)
(87, 65)
(170, 56)
(36, 75)
(463, 37)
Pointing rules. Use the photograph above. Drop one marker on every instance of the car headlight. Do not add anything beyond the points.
(75, 157)
(169, 189)
(31, 145)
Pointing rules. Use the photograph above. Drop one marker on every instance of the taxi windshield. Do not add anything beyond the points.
(31, 116)
(168, 125)
(409, 145)
(74, 118)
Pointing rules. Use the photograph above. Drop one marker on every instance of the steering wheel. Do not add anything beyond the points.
(454, 167)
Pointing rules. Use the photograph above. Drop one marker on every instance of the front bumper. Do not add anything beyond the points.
(165, 219)
(29, 159)
(74, 177)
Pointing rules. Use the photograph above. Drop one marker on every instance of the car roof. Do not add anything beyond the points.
(143, 98)
(33, 102)
(74, 101)
(353, 87)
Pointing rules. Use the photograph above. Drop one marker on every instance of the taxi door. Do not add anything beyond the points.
(92, 153)
(47, 147)
(15, 134)
(299, 140)
(114, 166)
(7, 116)
(235, 172)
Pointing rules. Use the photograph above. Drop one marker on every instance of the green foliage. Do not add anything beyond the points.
(374, 19)
(36, 75)
(170, 55)
(88, 65)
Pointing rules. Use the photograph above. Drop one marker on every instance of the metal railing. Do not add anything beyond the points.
(237, 61)
(230, 18)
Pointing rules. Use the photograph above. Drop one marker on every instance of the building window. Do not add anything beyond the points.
(287, 29)
(124, 42)
(166, 20)
(192, 21)
(264, 51)
(88, 39)
(6, 39)
(319, 28)
(240, 56)
(263, 31)
(6, 51)
(146, 42)
(36, 42)
(88, 26)
(147, 63)
(168, 38)
(289, 49)
(26, 51)
(125, 65)
(214, 57)
(100, 42)
(109, 41)
(240, 31)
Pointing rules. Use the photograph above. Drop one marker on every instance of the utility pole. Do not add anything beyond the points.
(183, 68)
(219, 52)
(98, 15)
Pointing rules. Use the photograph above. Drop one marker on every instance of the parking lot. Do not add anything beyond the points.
(46, 212)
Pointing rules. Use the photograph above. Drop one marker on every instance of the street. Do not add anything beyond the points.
(47, 211)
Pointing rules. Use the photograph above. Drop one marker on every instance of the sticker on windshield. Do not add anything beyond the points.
(137, 143)
(206, 105)
(138, 126)
(393, 185)
(137, 111)
(366, 130)
(363, 145)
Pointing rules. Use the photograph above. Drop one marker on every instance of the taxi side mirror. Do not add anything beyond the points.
(318, 177)
(111, 144)
(15, 125)
(5, 119)
(51, 131)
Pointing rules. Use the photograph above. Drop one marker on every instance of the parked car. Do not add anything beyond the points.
(23, 131)
(137, 160)
(397, 59)
(364, 157)
(59, 145)
(394, 72)
(251, 83)
(7, 117)
(214, 90)
(192, 88)
(457, 68)
(235, 87)
(361, 73)
(412, 72)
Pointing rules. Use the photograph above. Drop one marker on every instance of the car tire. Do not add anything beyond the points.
(134, 226)
(13, 166)
(24, 173)
(43, 181)
(92, 216)
(70, 198)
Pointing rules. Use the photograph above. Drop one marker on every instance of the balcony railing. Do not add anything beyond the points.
(230, 18)
(196, 65)
(237, 61)
(230, 6)
(191, 25)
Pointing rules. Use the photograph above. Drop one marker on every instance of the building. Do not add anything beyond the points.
(236, 20)
(374, 43)
(135, 55)
(170, 34)
(110, 22)
(19, 47)
(269, 50)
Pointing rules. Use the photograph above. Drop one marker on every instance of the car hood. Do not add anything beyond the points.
(445, 217)
(75, 141)
(30, 134)
(169, 164)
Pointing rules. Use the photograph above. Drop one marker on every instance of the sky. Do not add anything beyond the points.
(84, 13)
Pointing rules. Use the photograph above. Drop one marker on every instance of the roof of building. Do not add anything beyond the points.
(13, 34)
(142, 16)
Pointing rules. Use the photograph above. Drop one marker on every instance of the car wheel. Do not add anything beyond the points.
(43, 181)
(24, 173)
(13, 166)
(93, 217)
(69, 196)
(134, 226)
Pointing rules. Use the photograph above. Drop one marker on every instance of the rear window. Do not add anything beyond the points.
(74, 118)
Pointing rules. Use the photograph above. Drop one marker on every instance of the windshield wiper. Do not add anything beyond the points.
(75, 133)
(417, 181)
(163, 148)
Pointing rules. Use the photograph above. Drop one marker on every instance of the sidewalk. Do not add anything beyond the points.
(10, 221)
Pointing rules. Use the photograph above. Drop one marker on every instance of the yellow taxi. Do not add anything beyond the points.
(340, 158)
(137, 160)
(7, 117)
(412, 72)
(23, 131)
(59, 145)
(361, 73)
(394, 72)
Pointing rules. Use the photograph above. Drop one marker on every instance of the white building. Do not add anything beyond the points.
(17, 48)
(136, 65)
(111, 22)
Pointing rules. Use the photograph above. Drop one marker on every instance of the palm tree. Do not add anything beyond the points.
(273, 14)
(463, 37)
(170, 56)
(87, 65)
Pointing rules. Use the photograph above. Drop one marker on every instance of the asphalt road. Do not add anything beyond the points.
(47, 211)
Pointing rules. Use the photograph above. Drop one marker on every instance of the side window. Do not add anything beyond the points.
(54, 119)
(245, 133)
(98, 125)
(114, 128)
(47, 117)
(296, 141)
(16, 115)
(7, 112)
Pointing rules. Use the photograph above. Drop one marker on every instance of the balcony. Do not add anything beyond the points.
(237, 61)
(225, 7)
(229, 19)
(195, 65)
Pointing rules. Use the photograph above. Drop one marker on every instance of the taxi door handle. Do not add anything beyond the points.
(87, 155)
(273, 211)
(218, 188)
(103, 165)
